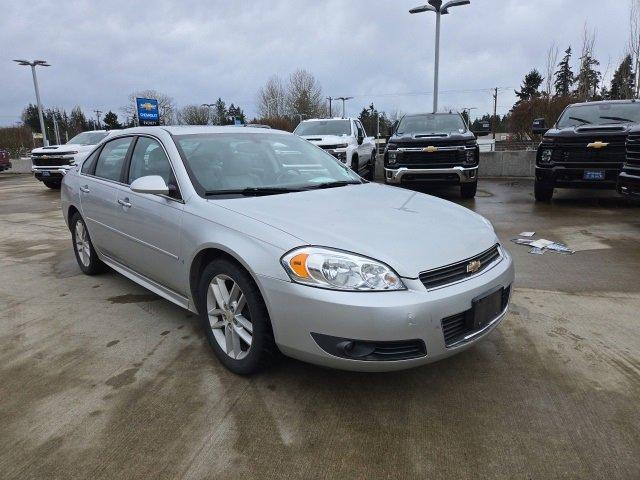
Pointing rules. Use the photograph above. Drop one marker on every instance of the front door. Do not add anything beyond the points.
(150, 224)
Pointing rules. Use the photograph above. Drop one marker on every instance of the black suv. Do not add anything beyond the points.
(585, 148)
(433, 148)
(629, 179)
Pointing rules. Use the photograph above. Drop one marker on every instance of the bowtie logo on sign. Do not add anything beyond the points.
(148, 114)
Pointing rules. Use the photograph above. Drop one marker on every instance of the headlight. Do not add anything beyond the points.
(470, 157)
(545, 156)
(342, 145)
(337, 270)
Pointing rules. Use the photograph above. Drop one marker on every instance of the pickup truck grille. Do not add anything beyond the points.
(575, 153)
(455, 272)
(51, 161)
(329, 147)
(633, 150)
(438, 159)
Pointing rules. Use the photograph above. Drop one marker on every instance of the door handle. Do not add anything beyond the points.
(85, 189)
(124, 203)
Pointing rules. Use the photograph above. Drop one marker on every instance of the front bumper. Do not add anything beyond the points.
(629, 182)
(5, 166)
(299, 312)
(456, 174)
(573, 177)
(50, 173)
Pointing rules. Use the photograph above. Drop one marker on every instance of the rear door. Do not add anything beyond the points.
(364, 152)
(150, 225)
(100, 177)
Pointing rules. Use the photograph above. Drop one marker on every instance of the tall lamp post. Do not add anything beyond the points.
(33, 65)
(344, 99)
(439, 9)
(209, 106)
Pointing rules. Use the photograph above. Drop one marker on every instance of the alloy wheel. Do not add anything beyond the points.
(83, 246)
(229, 316)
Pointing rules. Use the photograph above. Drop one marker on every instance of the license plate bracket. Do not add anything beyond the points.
(486, 307)
(46, 174)
(593, 175)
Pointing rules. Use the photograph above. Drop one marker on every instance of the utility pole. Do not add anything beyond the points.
(495, 112)
(344, 99)
(33, 65)
(98, 112)
(330, 111)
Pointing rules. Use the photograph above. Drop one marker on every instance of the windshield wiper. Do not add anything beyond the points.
(253, 191)
(339, 183)
(580, 120)
(619, 119)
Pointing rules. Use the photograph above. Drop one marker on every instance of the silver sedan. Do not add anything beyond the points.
(280, 248)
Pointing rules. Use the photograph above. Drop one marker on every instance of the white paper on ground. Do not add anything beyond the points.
(527, 234)
(541, 243)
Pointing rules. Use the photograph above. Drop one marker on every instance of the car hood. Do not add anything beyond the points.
(410, 231)
(604, 131)
(326, 139)
(61, 149)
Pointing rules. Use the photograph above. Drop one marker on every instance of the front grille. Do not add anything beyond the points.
(51, 161)
(633, 150)
(459, 271)
(439, 159)
(573, 152)
(459, 325)
(330, 147)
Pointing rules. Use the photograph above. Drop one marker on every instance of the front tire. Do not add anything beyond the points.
(371, 168)
(468, 190)
(53, 185)
(86, 256)
(235, 318)
(542, 193)
(355, 164)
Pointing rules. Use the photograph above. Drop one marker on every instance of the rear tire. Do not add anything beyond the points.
(86, 256)
(468, 190)
(542, 193)
(371, 168)
(355, 164)
(53, 185)
(242, 316)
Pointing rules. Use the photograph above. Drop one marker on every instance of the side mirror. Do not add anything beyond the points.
(152, 184)
(360, 139)
(540, 126)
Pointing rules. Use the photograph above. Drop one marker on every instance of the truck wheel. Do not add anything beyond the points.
(542, 193)
(235, 318)
(468, 190)
(86, 256)
(355, 163)
(53, 185)
(371, 168)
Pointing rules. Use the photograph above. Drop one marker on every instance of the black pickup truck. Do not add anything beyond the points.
(433, 148)
(629, 179)
(585, 148)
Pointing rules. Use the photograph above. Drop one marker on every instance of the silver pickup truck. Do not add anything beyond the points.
(49, 164)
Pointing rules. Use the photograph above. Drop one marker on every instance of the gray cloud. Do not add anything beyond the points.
(197, 51)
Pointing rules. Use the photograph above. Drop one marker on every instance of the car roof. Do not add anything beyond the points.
(199, 129)
(601, 102)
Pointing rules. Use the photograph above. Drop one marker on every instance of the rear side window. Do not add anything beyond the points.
(149, 159)
(111, 159)
(89, 164)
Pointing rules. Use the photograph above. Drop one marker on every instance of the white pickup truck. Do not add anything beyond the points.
(345, 139)
(49, 164)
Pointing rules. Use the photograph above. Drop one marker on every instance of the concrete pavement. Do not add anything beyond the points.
(101, 379)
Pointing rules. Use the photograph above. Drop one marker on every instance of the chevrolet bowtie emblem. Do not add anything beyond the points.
(597, 144)
(474, 266)
(147, 106)
(430, 149)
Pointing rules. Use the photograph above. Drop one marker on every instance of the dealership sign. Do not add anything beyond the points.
(148, 114)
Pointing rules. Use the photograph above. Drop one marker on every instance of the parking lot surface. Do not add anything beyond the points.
(100, 378)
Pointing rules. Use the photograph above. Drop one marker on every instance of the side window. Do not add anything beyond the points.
(149, 159)
(360, 129)
(89, 163)
(111, 159)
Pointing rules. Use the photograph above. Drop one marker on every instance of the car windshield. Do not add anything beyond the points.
(431, 123)
(259, 162)
(599, 114)
(87, 138)
(324, 127)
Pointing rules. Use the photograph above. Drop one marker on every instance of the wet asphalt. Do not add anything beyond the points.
(101, 379)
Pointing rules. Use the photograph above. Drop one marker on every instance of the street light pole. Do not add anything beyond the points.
(344, 99)
(33, 65)
(439, 9)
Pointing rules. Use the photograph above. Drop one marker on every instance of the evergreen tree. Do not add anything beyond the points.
(220, 113)
(530, 86)
(623, 80)
(235, 113)
(588, 77)
(111, 121)
(564, 77)
(30, 117)
(77, 121)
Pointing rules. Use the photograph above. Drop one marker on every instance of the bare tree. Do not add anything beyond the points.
(193, 115)
(634, 41)
(304, 95)
(166, 105)
(550, 68)
(272, 99)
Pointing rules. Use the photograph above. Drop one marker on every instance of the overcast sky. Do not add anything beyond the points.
(197, 51)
